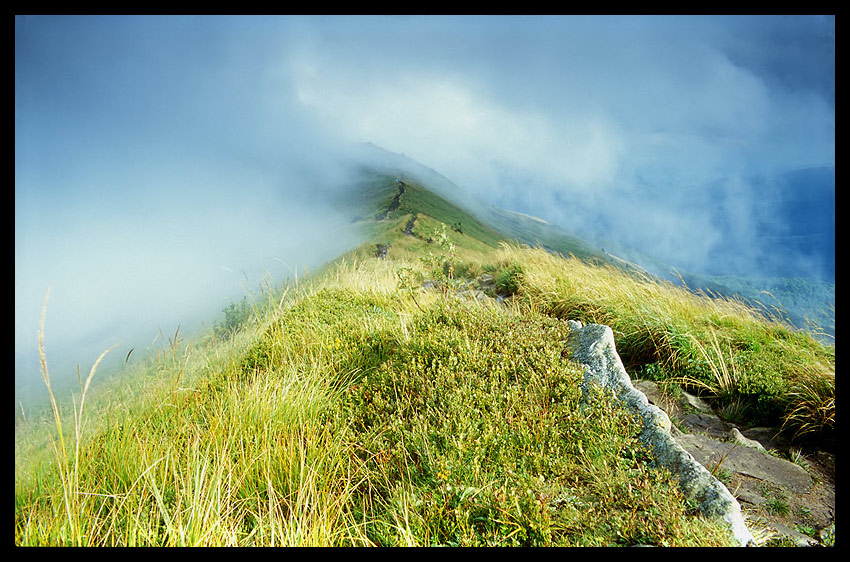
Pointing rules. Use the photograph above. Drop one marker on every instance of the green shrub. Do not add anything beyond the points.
(471, 434)
(508, 279)
(235, 316)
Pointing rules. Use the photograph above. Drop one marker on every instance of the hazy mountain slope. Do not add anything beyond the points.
(807, 302)
(385, 402)
(432, 194)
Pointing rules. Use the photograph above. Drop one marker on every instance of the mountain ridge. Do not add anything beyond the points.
(419, 389)
(806, 303)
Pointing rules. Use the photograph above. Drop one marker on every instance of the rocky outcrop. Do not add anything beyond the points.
(486, 282)
(593, 347)
(483, 288)
(751, 462)
(737, 437)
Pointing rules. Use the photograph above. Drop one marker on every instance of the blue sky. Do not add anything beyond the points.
(165, 164)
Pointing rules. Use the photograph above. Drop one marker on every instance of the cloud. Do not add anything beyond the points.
(584, 103)
(156, 155)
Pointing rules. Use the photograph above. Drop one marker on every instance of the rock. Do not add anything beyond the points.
(768, 436)
(756, 477)
(475, 294)
(675, 407)
(827, 534)
(593, 348)
(750, 496)
(408, 229)
(825, 457)
(656, 396)
(747, 461)
(694, 402)
(799, 538)
(736, 437)
(707, 424)
(486, 282)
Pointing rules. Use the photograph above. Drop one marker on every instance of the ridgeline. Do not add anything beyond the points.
(419, 390)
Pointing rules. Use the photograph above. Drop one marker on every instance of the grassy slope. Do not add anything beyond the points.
(352, 410)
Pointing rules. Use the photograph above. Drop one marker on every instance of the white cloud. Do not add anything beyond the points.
(210, 133)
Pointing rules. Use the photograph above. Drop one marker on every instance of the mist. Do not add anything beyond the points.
(166, 166)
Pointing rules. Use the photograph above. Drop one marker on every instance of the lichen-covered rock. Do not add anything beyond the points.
(593, 347)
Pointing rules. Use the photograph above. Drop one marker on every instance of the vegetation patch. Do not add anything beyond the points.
(721, 348)
(471, 435)
(371, 405)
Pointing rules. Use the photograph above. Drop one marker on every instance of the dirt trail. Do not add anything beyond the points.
(395, 203)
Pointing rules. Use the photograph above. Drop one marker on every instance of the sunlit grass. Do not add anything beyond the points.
(345, 415)
(352, 408)
(779, 375)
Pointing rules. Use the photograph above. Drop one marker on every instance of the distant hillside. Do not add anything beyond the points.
(805, 302)
(439, 197)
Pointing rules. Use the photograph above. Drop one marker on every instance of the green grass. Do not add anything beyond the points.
(356, 408)
(347, 416)
(720, 347)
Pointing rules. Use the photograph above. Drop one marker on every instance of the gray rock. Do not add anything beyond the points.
(655, 395)
(827, 534)
(593, 348)
(799, 538)
(675, 407)
(747, 461)
(707, 424)
(751, 497)
(486, 282)
(694, 402)
(768, 436)
(475, 294)
(736, 437)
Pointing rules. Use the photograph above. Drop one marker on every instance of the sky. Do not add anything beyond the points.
(165, 165)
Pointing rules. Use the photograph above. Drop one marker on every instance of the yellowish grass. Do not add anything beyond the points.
(68, 472)
(203, 447)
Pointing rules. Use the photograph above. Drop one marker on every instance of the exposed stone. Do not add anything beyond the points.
(750, 496)
(593, 348)
(827, 534)
(756, 478)
(655, 395)
(747, 461)
(768, 436)
(408, 229)
(475, 294)
(706, 424)
(676, 406)
(736, 437)
(486, 282)
(694, 402)
(799, 538)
